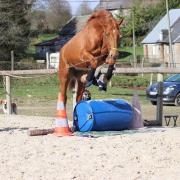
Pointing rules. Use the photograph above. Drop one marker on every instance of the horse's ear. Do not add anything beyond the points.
(100, 14)
(93, 16)
(120, 21)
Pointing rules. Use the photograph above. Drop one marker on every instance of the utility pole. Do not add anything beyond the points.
(171, 58)
(12, 60)
(134, 41)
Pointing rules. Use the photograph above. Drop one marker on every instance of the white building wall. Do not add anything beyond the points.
(153, 51)
(177, 54)
(54, 60)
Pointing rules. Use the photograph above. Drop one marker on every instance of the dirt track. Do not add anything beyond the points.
(148, 154)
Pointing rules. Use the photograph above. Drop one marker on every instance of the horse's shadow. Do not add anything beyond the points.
(124, 54)
(126, 94)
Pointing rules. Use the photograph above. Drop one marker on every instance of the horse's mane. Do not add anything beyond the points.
(102, 14)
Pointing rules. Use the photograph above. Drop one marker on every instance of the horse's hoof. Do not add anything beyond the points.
(102, 86)
(73, 129)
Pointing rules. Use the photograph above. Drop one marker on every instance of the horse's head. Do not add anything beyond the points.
(111, 34)
(112, 38)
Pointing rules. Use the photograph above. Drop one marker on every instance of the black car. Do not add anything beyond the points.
(171, 91)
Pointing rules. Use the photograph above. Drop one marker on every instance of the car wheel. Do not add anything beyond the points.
(153, 102)
(177, 100)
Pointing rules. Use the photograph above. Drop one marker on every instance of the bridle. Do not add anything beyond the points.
(107, 39)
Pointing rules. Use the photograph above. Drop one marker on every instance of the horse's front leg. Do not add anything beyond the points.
(109, 73)
(85, 55)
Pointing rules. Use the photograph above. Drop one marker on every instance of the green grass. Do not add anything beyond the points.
(45, 93)
(116, 92)
(45, 89)
(127, 52)
(139, 50)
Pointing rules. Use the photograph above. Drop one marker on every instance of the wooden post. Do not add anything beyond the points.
(159, 77)
(159, 109)
(40, 132)
(47, 60)
(142, 66)
(12, 60)
(151, 79)
(8, 95)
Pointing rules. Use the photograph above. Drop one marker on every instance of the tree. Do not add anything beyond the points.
(57, 13)
(39, 20)
(84, 9)
(14, 27)
(145, 18)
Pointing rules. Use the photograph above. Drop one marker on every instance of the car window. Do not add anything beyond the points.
(173, 78)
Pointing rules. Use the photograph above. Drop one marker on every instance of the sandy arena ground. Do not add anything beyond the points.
(142, 155)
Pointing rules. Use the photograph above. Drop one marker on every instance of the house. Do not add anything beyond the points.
(74, 25)
(123, 5)
(156, 43)
(50, 46)
(115, 6)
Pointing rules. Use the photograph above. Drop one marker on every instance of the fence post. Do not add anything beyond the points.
(159, 108)
(47, 60)
(159, 77)
(151, 79)
(8, 95)
(142, 65)
(12, 60)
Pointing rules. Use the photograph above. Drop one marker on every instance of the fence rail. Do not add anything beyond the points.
(145, 70)
(28, 72)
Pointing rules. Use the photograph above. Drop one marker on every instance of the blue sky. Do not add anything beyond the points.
(75, 4)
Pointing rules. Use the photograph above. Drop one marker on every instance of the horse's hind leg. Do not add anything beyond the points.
(80, 90)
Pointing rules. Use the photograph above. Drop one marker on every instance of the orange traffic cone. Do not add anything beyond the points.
(61, 123)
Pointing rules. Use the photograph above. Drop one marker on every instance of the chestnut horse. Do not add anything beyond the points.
(94, 45)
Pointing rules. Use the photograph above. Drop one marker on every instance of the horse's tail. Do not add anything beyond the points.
(72, 84)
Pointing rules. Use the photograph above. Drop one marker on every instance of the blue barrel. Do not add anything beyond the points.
(102, 115)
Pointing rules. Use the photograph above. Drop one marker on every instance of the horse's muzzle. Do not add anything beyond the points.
(111, 59)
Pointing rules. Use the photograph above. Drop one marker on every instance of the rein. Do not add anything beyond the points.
(83, 61)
